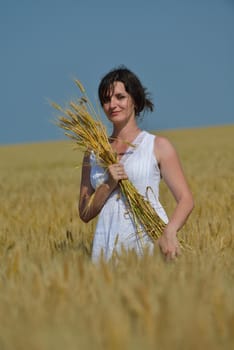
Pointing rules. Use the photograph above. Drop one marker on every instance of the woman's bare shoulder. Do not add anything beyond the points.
(163, 147)
(162, 141)
(163, 144)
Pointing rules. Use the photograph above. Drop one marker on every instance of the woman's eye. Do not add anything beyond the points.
(120, 97)
(106, 100)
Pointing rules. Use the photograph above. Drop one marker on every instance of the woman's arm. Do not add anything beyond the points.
(92, 201)
(173, 175)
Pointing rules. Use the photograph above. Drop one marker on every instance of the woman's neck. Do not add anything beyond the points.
(127, 133)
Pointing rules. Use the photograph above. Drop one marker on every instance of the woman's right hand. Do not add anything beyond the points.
(116, 173)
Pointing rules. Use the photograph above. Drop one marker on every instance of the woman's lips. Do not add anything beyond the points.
(113, 114)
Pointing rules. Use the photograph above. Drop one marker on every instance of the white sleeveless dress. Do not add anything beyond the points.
(115, 228)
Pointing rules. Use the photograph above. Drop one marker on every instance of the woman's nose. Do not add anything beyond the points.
(112, 103)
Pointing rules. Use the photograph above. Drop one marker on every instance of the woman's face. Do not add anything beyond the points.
(119, 106)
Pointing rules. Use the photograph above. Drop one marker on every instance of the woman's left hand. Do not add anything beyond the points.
(169, 245)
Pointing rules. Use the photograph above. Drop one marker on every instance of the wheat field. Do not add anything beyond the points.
(52, 296)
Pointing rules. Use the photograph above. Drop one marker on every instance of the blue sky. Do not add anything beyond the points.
(182, 50)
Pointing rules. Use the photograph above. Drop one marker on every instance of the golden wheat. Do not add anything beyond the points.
(52, 296)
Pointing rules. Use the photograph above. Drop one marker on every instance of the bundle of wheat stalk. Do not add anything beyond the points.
(83, 125)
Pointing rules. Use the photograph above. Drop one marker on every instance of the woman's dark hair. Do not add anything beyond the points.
(132, 85)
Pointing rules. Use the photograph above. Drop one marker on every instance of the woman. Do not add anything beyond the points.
(123, 99)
